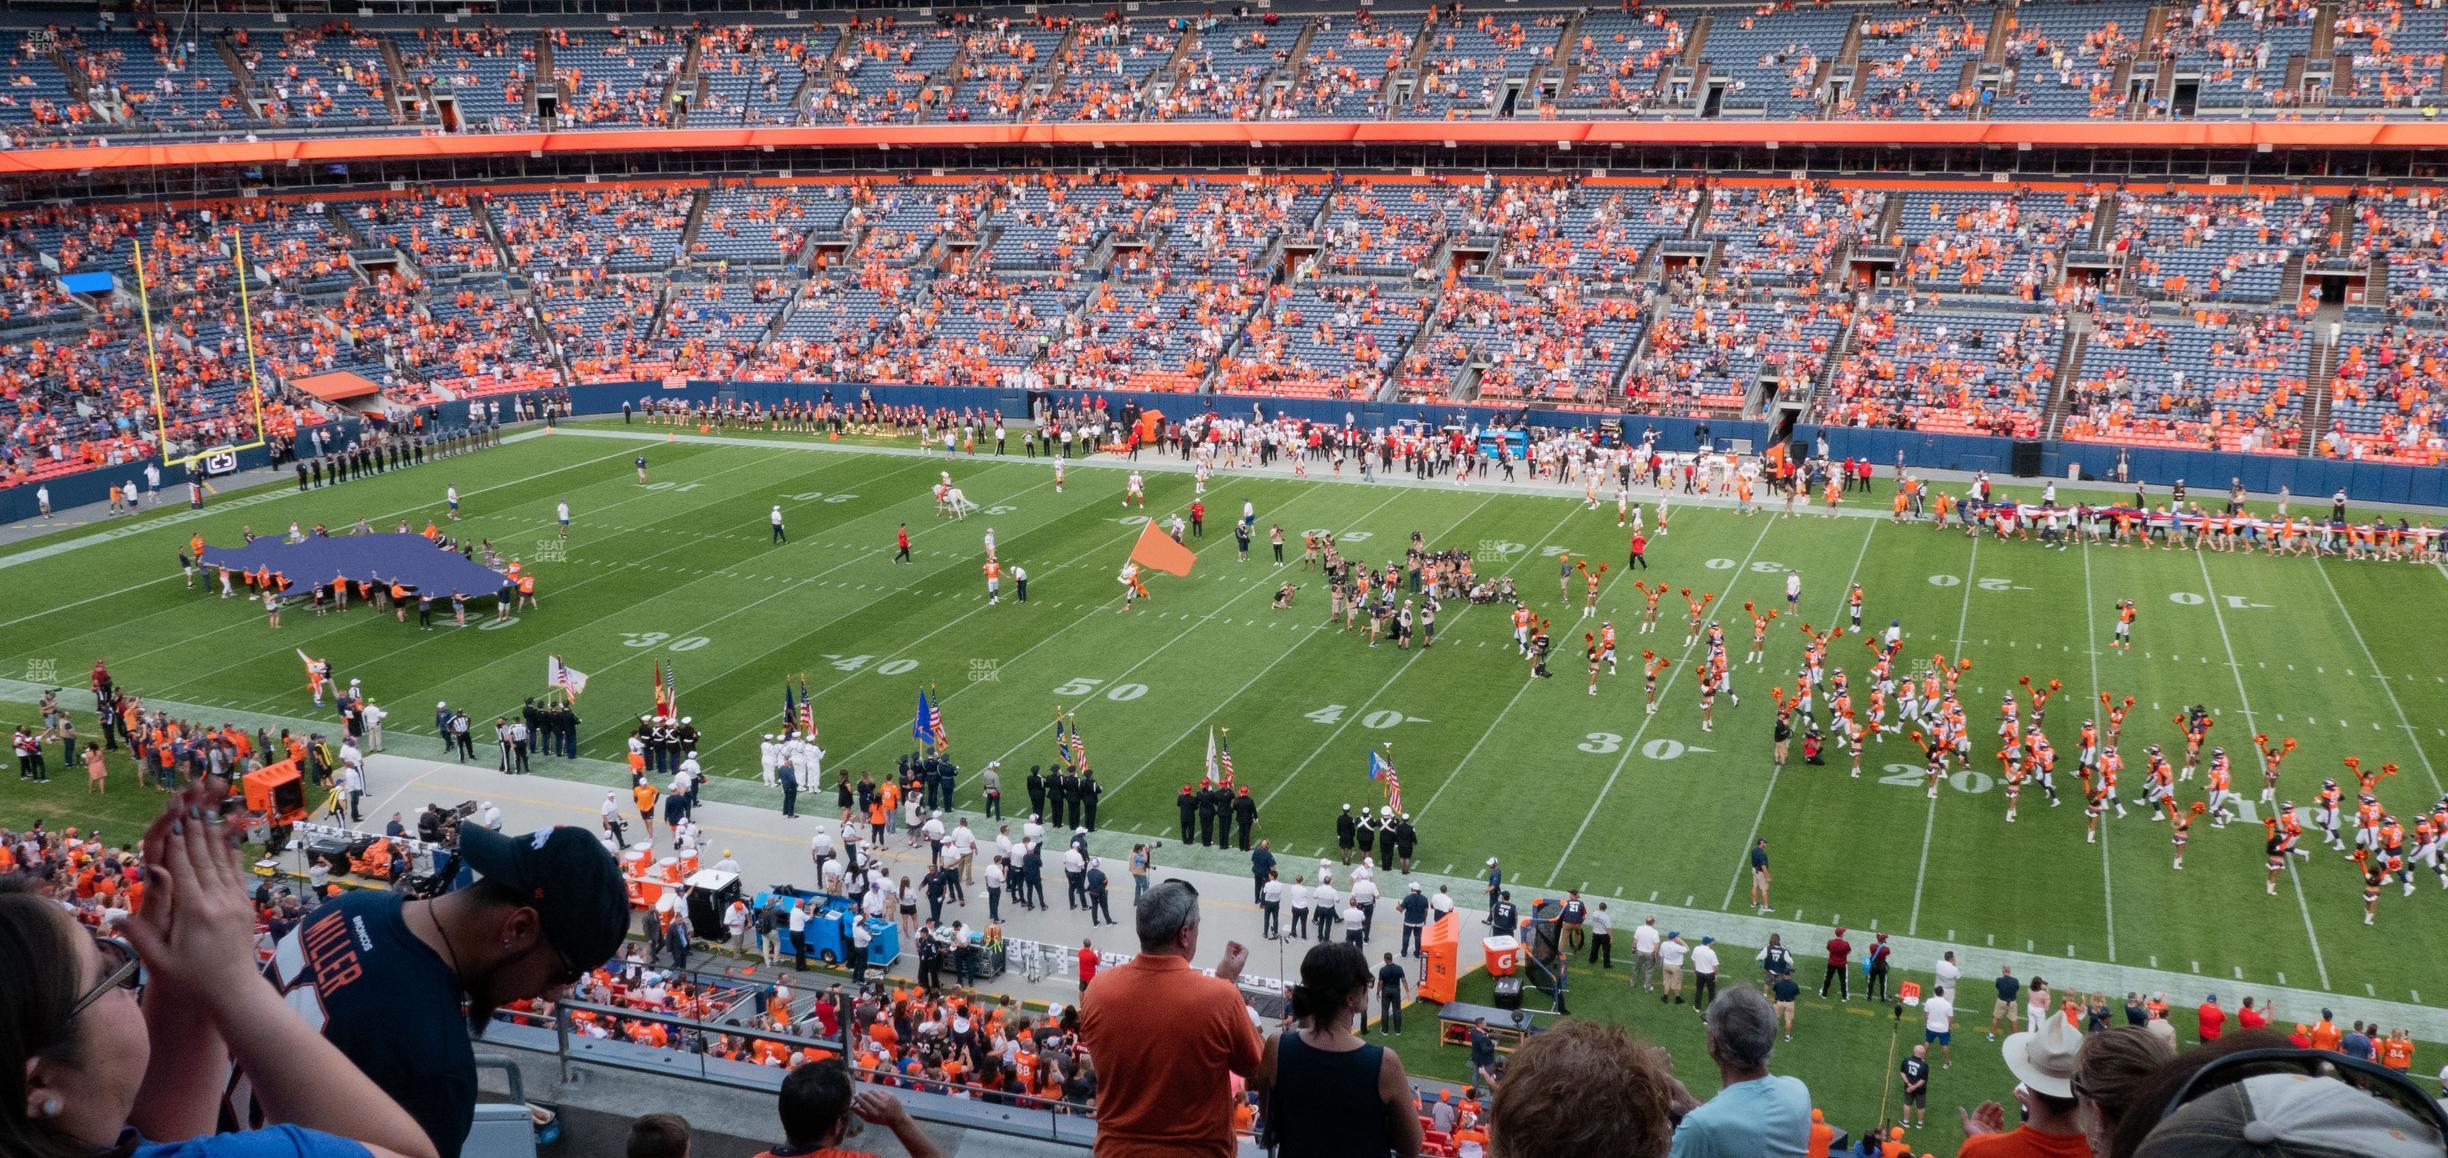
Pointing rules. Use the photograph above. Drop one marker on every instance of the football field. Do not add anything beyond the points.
(1569, 790)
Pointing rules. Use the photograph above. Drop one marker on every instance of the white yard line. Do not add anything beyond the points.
(1929, 822)
(274, 492)
(344, 623)
(1186, 632)
(1358, 708)
(1632, 744)
(2107, 878)
(1490, 730)
(2407, 722)
(1092, 610)
(1742, 866)
(1220, 705)
(2244, 698)
(889, 513)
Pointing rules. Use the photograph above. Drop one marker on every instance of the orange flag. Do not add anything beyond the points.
(1157, 550)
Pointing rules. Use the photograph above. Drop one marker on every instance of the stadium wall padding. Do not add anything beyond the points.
(2201, 470)
(2204, 471)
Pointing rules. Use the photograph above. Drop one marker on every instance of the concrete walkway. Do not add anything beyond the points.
(773, 850)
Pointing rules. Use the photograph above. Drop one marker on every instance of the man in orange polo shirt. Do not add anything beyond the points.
(1167, 1040)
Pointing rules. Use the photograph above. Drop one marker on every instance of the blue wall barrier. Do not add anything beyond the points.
(2201, 470)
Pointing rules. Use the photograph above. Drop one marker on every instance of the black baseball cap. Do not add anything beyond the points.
(573, 884)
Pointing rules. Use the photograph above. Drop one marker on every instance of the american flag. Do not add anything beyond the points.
(935, 724)
(807, 711)
(1224, 759)
(1382, 769)
(1079, 747)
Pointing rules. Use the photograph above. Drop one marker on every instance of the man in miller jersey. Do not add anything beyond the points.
(391, 982)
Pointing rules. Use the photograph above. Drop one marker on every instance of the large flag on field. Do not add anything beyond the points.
(1224, 757)
(1158, 551)
(666, 690)
(1062, 742)
(790, 704)
(807, 709)
(1211, 754)
(1079, 748)
(922, 726)
(561, 675)
(1382, 770)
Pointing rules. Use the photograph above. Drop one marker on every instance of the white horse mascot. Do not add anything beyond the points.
(949, 499)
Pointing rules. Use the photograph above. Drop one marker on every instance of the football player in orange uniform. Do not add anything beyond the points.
(2222, 788)
(2325, 813)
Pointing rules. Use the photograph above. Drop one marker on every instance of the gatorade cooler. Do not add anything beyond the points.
(1503, 955)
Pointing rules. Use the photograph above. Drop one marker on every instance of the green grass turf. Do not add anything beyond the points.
(1568, 788)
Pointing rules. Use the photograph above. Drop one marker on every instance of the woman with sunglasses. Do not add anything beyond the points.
(84, 1071)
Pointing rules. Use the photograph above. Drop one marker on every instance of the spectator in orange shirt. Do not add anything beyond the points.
(820, 1111)
(1167, 1040)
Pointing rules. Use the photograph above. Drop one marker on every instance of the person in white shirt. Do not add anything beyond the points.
(492, 816)
(1602, 936)
(561, 511)
(798, 931)
(1033, 831)
(1704, 973)
(820, 846)
(963, 846)
(1296, 902)
(728, 863)
(1938, 1023)
(613, 825)
(1671, 953)
(1948, 973)
(1440, 904)
(1364, 896)
(1646, 953)
(374, 717)
(832, 872)
(735, 924)
(768, 758)
(1075, 874)
(1270, 902)
(42, 502)
(808, 760)
(1323, 905)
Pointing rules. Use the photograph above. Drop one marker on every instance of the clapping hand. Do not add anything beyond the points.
(196, 928)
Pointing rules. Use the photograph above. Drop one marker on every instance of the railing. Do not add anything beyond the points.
(686, 1057)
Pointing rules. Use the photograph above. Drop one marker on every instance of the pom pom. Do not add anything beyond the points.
(2054, 685)
(2200, 807)
(2025, 681)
